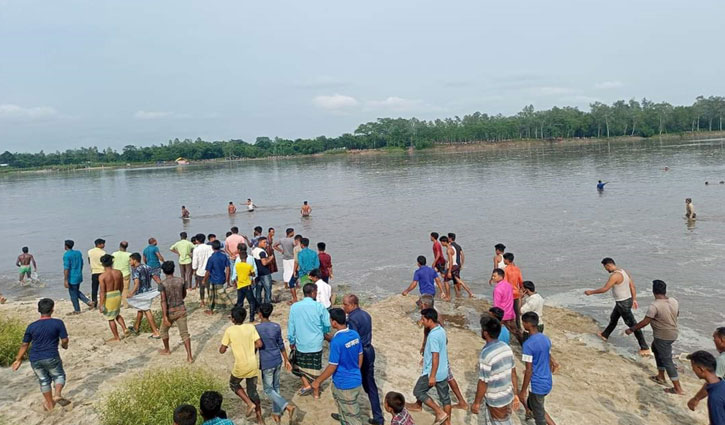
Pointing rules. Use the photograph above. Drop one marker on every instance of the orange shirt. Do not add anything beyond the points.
(513, 276)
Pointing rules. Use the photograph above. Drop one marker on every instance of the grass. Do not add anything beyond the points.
(151, 397)
(11, 338)
(146, 327)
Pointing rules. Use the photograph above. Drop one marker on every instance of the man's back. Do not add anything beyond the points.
(43, 336)
(73, 262)
(308, 321)
(111, 280)
(121, 262)
(495, 363)
(537, 351)
(307, 260)
(716, 402)
(512, 274)
(149, 254)
(174, 288)
(345, 350)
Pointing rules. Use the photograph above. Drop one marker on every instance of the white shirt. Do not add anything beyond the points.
(324, 292)
(534, 303)
(199, 256)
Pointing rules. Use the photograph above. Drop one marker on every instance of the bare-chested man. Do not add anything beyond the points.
(184, 212)
(306, 209)
(110, 284)
(231, 209)
(690, 209)
(23, 263)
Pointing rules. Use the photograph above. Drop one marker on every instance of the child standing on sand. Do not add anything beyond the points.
(395, 405)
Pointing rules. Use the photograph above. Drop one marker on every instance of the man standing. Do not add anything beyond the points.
(325, 262)
(496, 377)
(286, 246)
(690, 209)
(306, 209)
(152, 257)
(217, 278)
(111, 284)
(454, 268)
(662, 315)
(94, 259)
(361, 322)
(250, 205)
(264, 275)
(536, 355)
(513, 277)
(231, 243)
(231, 209)
(183, 248)
(324, 290)
(533, 302)
(625, 297)
(704, 365)
(425, 277)
(346, 357)
(719, 338)
(73, 276)
(184, 212)
(23, 263)
(199, 257)
(271, 355)
(307, 260)
(439, 261)
(142, 295)
(121, 262)
(498, 262)
(308, 323)
(244, 271)
(173, 309)
(503, 298)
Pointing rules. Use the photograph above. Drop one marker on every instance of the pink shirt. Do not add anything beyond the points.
(232, 242)
(503, 298)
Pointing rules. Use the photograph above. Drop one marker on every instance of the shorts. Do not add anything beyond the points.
(25, 269)
(156, 272)
(236, 384)
(440, 268)
(535, 402)
(178, 317)
(421, 391)
(292, 282)
(49, 371)
(456, 273)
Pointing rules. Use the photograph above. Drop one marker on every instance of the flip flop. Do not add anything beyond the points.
(305, 391)
(62, 402)
(441, 420)
(154, 336)
(655, 379)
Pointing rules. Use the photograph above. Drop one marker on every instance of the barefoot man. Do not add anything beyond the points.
(23, 263)
(173, 309)
(110, 285)
(625, 297)
(454, 267)
(306, 209)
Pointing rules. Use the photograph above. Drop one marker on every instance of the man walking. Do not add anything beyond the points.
(94, 259)
(503, 298)
(111, 285)
(307, 260)
(122, 263)
(142, 295)
(152, 257)
(264, 274)
(217, 278)
(173, 309)
(199, 257)
(425, 277)
(183, 248)
(73, 276)
(23, 263)
(536, 355)
(286, 246)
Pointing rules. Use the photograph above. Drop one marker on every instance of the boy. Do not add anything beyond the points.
(325, 262)
(532, 302)
(718, 338)
(173, 309)
(185, 414)
(324, 290)
(704, 365)
(210, 406)
(42, 338)
(142, 295)
(243, 339)
(395, 405)
(536, 355)
(504, 335)
(110, 289)
(271, 355)
(244, 271)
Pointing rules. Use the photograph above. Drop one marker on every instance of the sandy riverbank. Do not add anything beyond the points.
(594, 386)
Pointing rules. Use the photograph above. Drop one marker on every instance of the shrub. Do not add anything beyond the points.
(145, 326)
(11, 338)
(151, 397)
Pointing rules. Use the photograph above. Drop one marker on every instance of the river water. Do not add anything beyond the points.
(375, 213)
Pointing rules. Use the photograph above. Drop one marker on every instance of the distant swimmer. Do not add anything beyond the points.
(690, 209)
(600, 185)
(667, 168)
(306, 209)
(231, 209)
(184, 212)
(250, 205)
(24, 264)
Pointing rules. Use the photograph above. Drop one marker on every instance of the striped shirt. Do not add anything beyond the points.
(495, 363)
(402, 418)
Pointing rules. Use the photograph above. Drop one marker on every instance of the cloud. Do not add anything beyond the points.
(10, 111)
(550, 91)
(606, 85)
(152, 115)
(335, 103)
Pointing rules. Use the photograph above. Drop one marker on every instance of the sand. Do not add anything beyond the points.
(596, 384)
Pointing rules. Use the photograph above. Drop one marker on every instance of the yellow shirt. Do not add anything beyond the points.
(243, 270)
(184, 248)
(241, 339)
(121, 262)
(94, 255)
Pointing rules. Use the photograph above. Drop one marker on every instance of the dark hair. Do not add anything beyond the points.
(353, 299)
(211, 235)
(183, 235)
(659, 287)
(123, 244)
(490, 325)
(151, 240)
(45, 306)
(443, 239)
(210, 404)
(308, 289)
(321, 246)
(338, 315)
(266, 310)
(500, 247)
(241, 246)
(529, 285)
(315, 273)
(433, 235)
(508, 256)
(235, 229)
(25, 249)
(608, 260)
(396, 401)
(231, 203)
(193, 239)
(135, 256)
(185, 414)
(305, 202)
(200, 238)
(168, 267)
(99, 241)
(216, 245)
(426, 300)
(430, 314)
(228, 234)
(499, 272)
(258, 229)
(704, 359)
(69, 243)
(531, 318)
(107, 260)
(421, 260)
(497, 312)
(305, 242)
(298, 237)
(452, 236)
(238, 315)
(261, 238)
(720, 331)
(289, 230)
(270, 229)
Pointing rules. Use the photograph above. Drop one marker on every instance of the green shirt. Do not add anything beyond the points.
(184, 248)
(121, 263)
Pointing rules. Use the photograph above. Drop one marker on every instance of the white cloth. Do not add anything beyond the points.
(289, 269)
(534, 303)
(143, 300)
(324, 292)
(621, 291)
(199, 256)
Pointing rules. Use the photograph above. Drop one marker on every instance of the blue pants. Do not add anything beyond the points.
(49, 371)
(368, 381)
(263, 282)
(75, 295)
(246, 293)
(270, 382)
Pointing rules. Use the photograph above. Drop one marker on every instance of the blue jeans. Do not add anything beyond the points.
(270, 382)
(47, 371)
(263, 282)
(246, 292)
(75, 295)
(369, 385)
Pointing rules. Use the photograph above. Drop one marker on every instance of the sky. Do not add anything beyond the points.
(113, 73)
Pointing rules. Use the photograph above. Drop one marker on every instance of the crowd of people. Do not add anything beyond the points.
(239, 269)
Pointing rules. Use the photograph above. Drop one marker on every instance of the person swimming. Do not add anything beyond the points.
(600, 185)
(250, 205)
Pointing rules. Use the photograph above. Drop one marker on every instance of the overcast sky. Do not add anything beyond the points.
(112, 73)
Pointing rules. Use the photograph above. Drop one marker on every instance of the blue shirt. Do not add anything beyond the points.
(536, 350)
(437, 342)
(217, 268)
(425, 276)
(308, 261)
(218, 421)
(360, 321)
(345, 350)
(152, 260)
(43, 336)
(505, 335)
(143, 274)
(270, 353)
(716, 402)
(308, 322)
(600, 186)
(73, 262)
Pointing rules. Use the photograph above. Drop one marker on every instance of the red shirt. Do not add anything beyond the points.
(325, 264)
(513, 276)
(438, 252)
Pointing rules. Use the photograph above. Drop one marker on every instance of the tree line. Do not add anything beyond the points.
(643, 118)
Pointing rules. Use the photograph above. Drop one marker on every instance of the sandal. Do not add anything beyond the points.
(657, 380)
(305, 391)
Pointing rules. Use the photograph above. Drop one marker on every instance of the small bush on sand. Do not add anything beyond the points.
(11, 338)
(145, 326)
(151, 397)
